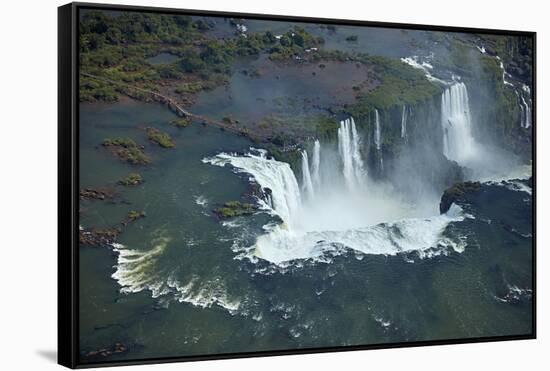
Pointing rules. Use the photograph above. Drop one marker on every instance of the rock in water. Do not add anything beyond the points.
(456, 193)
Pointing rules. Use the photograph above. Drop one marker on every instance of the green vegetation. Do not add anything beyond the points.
(127, 150)
(326, 127)
(493, 102)
(399, 84)
(294, 43)
(131, 179)
(288, 130)
(232, 209)
(291, 156)
(135, 215)
(230, 120)
(190, 87)
(162, 139)
(93, 90)
(181, 122)
(501, 116)
(117, 48)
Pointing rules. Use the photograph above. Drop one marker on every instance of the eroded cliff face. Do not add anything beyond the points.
(498, 71)
(406, 147)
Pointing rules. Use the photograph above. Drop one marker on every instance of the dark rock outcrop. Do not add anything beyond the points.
(105, 352)
(96, 194)
(231, 209)
(457, 193)
(98, 237)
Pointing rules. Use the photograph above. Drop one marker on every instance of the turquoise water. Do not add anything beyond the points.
(181, 282)
(193, 295)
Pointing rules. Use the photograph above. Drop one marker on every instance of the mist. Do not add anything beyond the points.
(337, 204)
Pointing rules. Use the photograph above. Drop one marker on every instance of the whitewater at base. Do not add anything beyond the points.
(357, 214)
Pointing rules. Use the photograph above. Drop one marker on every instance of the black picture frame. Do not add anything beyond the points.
(68, 183)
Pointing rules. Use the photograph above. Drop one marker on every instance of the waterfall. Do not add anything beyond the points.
(377, 130)
(269, 174)
(377, 140)
(504, 73)
(356, 153)
(316, 164)
(349, 145)
(373, 222)
(458, 143)
(525, 113)
(522, 113)
(307, 184)
(404, 122)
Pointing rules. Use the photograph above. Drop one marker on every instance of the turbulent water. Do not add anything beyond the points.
(346, 246)
(326, 215)
(323, 214)
(335, 207)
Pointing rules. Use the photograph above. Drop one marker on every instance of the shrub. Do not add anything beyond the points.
(157, 136)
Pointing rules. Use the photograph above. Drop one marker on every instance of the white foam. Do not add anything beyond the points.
(424, 67)
(458, 142)
(338, 218)
(384, 323)
(205, 294)
(136, 270)
(414, 234)
(515, 185)
(268, 173)
(201, 201)
(522, 171)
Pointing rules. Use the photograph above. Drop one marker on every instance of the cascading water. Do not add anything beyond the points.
(377, 139)
(277, 176)
(525, 113)
(504, 73)
(307, 184)
(458, 142)
(316, 165)
(332, 215)
(404, 122)
(349, 146)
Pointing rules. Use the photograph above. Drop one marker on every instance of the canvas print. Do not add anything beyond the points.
(251, 185)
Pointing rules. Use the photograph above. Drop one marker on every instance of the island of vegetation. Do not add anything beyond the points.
(133, 215)
(181, 122)
(162, 139)
(128, 150)
(231, 209)
(131, 179)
